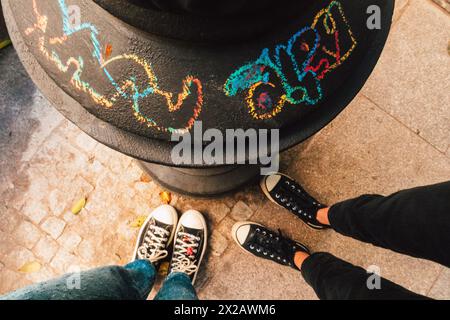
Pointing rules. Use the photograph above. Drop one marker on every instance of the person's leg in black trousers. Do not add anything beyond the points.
(414, 222)
(335, 279)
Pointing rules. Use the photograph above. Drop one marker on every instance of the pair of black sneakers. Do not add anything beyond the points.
(162, 229)
(264, 243)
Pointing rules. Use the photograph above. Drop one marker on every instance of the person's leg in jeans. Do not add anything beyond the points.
(131, 282)
(396, 222)
(136, 279)
(177, 286)
(189, 249)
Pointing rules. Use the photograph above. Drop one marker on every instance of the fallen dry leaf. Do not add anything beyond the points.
(30, 267)
(77, 207)
(164, 269)
(165, 196)
(108, 51)
(138, 222)
(145, 178)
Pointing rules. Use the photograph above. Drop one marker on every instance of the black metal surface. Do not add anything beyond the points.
(205, 20)
(173, 60)
(3, 32)
(205, 182)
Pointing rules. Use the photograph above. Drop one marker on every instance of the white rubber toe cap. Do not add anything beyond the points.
(193, 219)
(271, 181)
(241, 233)
(165, 214)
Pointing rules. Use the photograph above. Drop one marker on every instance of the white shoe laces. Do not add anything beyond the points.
(154, 246)
(186, 248)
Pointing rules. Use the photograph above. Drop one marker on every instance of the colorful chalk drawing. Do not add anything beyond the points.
(299, 66)
(127, 89)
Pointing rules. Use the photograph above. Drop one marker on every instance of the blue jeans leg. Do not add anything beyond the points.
(131, 282)
(177, 286)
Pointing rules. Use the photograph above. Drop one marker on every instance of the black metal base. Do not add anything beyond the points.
(3, 32)
(208, 182)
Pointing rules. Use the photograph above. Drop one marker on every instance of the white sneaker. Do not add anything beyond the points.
(189, 244)
(156, 234)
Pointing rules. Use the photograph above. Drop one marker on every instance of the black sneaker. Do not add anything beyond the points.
(287, 193)
(264, 243)
(190, 244)
(156, 234)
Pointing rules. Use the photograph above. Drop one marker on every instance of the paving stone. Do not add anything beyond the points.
(85, 142)
(78, 188)
(63, 261)
(441, 288)
(134, 173)
(31, 184)
(57, 201)
(445, 4)
(251, 195)
(218, 243)
(69, 240)
(8, 243)
(35, 210)
(105, 180)
(118, 252)
(47, 119)
(11, 281)
(225, 227)
(118, 163)
(411, 80)
(104, 154)
(98, 218)
(59, 162)
(125, 232)
(53, 226)
(69, 217)
(241, 211)
(9, 219)
(27, 234)
(45, 249)
(44, 274)
(53, 151)
(86, 251)
(91, 224)
(17, 258)
(400, 6)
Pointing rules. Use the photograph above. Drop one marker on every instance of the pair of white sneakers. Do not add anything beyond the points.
(162, 229)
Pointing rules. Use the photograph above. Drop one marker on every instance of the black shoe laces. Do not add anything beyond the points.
(295, 199)
(274, 246)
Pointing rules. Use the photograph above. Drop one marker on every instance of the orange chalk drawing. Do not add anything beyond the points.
(108, 51)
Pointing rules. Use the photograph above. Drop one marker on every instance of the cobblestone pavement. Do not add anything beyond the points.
(394, 135)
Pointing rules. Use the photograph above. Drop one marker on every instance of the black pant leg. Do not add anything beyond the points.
(335, 279)
(415, 222)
